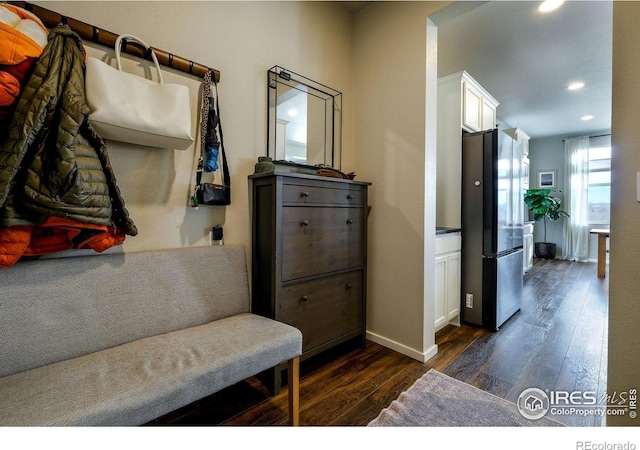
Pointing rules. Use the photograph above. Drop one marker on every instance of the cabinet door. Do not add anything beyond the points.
(321, 240)
(472, 105)
(453, 285)
(323, 309)
(528, 252)
(525, 147)
(441, 292)
(298, 194)
(488, 115)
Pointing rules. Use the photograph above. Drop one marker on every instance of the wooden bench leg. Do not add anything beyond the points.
(294, 391)
(602, 255)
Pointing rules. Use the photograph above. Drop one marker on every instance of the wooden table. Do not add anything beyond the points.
(602, 249)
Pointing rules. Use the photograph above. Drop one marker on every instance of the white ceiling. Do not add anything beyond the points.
(526, 59)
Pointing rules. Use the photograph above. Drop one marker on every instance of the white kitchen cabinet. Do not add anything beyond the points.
(471, 106)
(527, 235)
(521, 137)
(478, 106)
(447, 284)
(527, 245)
(489, 112)
(463, 104)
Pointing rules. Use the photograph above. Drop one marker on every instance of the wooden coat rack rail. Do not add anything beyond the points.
(91, 33)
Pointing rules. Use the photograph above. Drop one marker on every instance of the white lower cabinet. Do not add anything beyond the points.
(447, 283)
(527, 245)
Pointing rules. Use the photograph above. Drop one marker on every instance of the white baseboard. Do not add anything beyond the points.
(596, 260)
(401, 348)
(590, 260)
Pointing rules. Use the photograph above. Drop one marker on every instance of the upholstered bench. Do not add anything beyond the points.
(122, 339)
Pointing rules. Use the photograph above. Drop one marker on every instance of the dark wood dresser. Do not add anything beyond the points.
(309, 257)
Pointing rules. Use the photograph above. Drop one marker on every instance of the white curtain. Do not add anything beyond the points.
(576, 226)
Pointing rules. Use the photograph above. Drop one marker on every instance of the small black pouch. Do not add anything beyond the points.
(213, 194)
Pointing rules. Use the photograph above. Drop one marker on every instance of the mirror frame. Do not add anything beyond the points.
(280, 80)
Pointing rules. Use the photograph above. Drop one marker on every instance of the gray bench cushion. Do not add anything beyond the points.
(136, 382)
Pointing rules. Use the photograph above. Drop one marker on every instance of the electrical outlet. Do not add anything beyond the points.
(215, 236)
(468, 300)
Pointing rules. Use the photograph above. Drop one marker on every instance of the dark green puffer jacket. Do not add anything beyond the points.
(52, 163)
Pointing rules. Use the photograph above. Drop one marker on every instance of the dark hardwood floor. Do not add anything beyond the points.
(558, 341)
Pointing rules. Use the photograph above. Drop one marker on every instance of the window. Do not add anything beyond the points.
(599, 193)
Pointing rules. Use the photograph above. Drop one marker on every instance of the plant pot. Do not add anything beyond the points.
(545, 250)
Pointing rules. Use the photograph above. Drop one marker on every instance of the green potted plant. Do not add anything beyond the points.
(545, 207)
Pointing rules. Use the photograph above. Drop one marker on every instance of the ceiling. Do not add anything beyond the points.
(526, 60)
(354, 7)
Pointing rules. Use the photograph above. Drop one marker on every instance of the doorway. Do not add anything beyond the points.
(549, 314)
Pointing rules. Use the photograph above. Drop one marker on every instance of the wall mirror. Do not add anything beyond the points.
(304, 120)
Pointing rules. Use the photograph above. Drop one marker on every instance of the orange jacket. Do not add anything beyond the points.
(55, 234)
(22, 35)
(23, 38)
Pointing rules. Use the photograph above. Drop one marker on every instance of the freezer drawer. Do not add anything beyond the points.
(492, 289)
(507, 273)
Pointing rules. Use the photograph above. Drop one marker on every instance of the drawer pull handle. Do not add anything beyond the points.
(304, 298)
(349, 222)
(349, 196)
(304, 223)
(304, 194)
(349, 286)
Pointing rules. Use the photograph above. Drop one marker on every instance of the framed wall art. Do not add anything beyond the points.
(547, 179)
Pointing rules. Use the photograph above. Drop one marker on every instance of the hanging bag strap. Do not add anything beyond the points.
(226, 179)
(128, 37)
(206, 102)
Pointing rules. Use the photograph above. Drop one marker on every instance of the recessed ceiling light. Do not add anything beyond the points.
(575, 86)
(586, 118)
(292, 112)
(550, 5)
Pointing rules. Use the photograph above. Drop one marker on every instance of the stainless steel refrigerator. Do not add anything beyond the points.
(492, 219)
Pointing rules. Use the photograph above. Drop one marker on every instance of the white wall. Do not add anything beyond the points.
(242, 40)
(390, 66)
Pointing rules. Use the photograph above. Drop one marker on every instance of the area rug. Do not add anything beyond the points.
(437, 400)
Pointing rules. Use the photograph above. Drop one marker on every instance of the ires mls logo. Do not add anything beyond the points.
(534, 403)
(625, 400)
(575, 398)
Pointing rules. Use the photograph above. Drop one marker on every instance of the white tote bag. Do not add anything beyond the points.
(128, 108)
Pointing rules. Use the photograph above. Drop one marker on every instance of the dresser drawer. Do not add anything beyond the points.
(319, 240)
(323, 309)
(309, 194)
